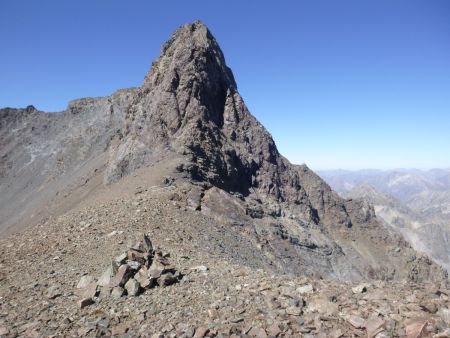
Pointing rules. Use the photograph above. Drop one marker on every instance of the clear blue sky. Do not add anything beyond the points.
(339, 84)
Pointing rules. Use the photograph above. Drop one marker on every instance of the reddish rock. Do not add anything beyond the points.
(122, 276)
(201, 332)
(143, 278)
(120, 329)
(273, 330)
(374, 325)
(3, 330)
(82, 303)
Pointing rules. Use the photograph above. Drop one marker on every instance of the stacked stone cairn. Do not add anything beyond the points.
(138, 269)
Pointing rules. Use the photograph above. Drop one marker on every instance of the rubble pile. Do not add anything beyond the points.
(138, 269)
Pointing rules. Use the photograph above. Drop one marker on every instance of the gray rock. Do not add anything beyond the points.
(53, 291)
(88, 291)
(294, 311)
(132, 287)
(200, 268)
(117, 292)
(121, 258)
(157, 268)
(105, 278)
(360, 288)
(194, 198)
(134, 265)
(307, 288)
(103, 324)
(356, 321)
(105, 292)
(85, 281)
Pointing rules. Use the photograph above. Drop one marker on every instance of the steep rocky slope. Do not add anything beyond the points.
(415, 202)
(424, 234)
(41, 267)
(45, 155)
(189, 115)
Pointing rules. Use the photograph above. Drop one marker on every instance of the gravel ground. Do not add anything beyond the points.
(238, 295)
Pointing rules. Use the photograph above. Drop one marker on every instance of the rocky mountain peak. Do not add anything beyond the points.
(191, 65)
(189, 104)
(191, 50)
(189, 119)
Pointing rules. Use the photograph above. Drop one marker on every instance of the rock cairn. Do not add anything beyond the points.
(138, 269)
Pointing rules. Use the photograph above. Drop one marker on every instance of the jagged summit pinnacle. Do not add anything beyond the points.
(192, 49)
(196, 33)
(188, 99)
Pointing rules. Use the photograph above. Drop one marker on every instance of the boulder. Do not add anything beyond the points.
(157, 269)
(137, 255)
(363, 287)
(356, 321)
(82, 303)
(117, 292)
(143, 278)
(105, 292)
(123, 274)
(85, 281)
(200, 268)
(88, 291)
(132, 287)
(105, 278)
(307, 288)
(134, 265)
(53, 291)
(119, 260)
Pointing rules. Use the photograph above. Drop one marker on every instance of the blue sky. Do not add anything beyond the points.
(339, 84)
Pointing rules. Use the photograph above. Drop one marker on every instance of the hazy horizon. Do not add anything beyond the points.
(382, 170)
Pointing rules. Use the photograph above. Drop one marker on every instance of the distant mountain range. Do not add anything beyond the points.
(403, 184)
(414, 202)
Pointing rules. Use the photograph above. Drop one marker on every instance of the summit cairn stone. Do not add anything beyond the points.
(141, 268)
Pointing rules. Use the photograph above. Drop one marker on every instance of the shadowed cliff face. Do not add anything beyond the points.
(228, 167)
(189, 105)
